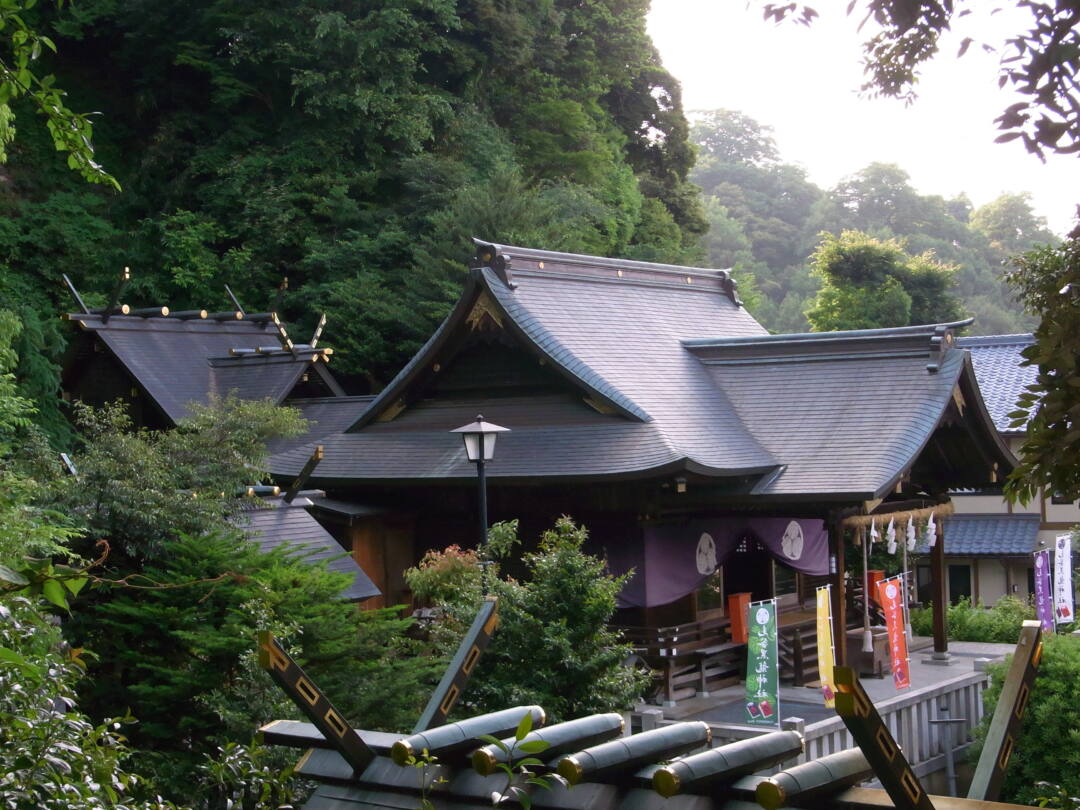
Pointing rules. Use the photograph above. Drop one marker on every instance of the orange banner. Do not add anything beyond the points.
(891, 600)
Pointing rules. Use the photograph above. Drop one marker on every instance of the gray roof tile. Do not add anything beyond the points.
(1001, 377)
(977, 535)
(273, 523)
(178, 362)
(694, 382)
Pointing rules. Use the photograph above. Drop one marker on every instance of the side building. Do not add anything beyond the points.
(991, 541)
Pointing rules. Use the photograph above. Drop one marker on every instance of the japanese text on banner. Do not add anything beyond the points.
(762, 671)
(891, 600)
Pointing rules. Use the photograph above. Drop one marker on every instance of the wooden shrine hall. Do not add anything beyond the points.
(644, 401)
(641, 399)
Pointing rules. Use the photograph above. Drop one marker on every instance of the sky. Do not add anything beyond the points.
(804, 83)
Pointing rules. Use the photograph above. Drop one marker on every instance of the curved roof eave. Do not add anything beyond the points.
(412, 369)
(965, 374)
(681, 465)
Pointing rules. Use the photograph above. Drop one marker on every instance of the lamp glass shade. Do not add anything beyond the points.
(473, 442)
(479, 436)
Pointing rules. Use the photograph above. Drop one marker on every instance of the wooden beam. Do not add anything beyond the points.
(1009, 714)
(312, 702)
(118, 290)
(937, 589)
(838, 593)
(305, 474)
(877, 743)
(461, 667)
(75, 295)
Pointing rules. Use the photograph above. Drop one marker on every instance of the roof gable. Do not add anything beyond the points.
(180, 361)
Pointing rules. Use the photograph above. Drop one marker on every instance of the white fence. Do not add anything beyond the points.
(908, 717)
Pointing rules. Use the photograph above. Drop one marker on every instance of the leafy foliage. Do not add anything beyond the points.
(998, 624)
(516, 769)
(20, 78)
(559, 614)
(51, 755)
(138, 489)
(766, 220)
(355, 148)
(1046, 749)
(1048, 408)
(867, 283)
(1038, 62)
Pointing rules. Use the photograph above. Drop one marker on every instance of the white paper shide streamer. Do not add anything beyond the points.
(911, 539)
(931, 532)
(890, 537)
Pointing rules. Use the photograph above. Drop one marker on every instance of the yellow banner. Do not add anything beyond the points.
(825, 651)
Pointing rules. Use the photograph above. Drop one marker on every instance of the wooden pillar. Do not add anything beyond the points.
(839, 596)
(937, 589)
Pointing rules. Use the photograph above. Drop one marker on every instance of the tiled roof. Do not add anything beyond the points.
(182, 361)
(271, 522)
(679, 377)
(325, 416)
(978, 535)
(844, 412)
(1001, 377)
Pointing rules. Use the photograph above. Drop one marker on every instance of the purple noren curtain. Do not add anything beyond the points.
(674, 559)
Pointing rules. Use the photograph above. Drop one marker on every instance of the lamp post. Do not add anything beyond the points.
(479, 437)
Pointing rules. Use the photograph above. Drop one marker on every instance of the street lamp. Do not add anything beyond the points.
(479, 439)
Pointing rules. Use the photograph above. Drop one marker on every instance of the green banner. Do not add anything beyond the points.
(762, 666)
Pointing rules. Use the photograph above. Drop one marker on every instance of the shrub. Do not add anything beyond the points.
(553, 646)
(52, 757)
(965, 622)
(1048, 748)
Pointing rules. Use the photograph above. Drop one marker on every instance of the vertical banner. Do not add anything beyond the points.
(1063, 587)
(762, 670)
(891, 600)
(826, 652)
(1044, 601)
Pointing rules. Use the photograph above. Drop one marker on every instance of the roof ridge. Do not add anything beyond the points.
(1011, 339)
(508, 260)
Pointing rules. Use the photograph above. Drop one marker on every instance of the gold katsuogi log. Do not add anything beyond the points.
(824, 776)
(697, 772)
(189, 314)
(562, 738)
(455, 737)
(150, 312)
(228, 315)
(631, 753)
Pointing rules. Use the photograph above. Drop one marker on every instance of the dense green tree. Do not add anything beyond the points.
(346, 145)
(868, 283)
(1011, 225)
(1045, 280)
(554, 646)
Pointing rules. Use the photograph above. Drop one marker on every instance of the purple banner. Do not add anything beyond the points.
(1044, 607)
(675, 559)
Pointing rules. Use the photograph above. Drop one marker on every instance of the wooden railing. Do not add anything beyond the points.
(688, 659)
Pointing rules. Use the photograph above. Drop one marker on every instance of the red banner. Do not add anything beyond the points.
(891, 600)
